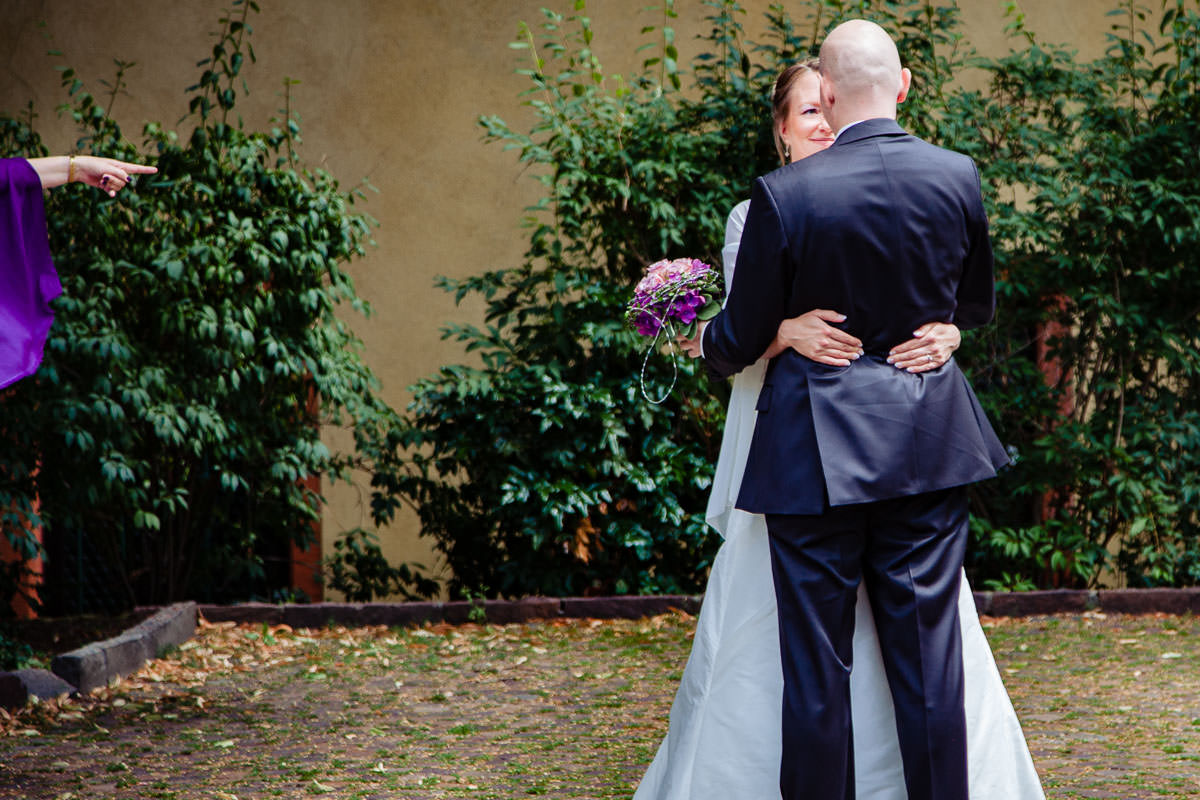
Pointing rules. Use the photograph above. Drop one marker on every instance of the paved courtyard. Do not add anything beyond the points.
(564, 709)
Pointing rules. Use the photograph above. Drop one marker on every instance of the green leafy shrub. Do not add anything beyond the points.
(543, 470)
(359, 570)
(1097, 259)
(14, 654)
(194, 356)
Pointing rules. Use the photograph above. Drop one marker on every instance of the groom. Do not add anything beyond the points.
(861, 470)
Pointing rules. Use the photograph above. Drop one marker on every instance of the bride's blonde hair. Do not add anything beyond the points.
(781, 97)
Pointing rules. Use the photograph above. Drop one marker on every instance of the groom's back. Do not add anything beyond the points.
(888, 230)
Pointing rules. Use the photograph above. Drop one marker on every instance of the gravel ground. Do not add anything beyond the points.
(565, 709)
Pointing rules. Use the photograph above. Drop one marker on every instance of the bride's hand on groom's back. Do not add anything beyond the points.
(811, 335)
(931, 346)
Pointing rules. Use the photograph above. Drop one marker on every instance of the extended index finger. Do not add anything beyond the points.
(135, 169)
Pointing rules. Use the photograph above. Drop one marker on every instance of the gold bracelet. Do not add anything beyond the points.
(71, 169)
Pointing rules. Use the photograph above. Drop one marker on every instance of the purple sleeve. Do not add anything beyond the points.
(28, 281)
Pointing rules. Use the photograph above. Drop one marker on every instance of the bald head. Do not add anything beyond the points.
(862, 75)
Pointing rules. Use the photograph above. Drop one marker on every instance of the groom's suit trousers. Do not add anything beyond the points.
(909, 550)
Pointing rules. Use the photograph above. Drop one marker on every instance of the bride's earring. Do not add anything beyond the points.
(787, 154)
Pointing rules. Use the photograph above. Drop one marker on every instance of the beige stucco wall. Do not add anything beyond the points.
(390, 91)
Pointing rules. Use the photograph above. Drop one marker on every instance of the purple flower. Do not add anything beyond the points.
(647, 324)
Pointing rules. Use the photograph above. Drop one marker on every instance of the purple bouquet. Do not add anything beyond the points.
(675, 295)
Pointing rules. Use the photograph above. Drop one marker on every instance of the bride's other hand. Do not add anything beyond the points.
(931, 346)
(811, 335)
(692, 346)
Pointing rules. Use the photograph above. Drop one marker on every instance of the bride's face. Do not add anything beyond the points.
(804, 129)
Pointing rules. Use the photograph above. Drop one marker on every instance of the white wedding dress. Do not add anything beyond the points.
(724, 737)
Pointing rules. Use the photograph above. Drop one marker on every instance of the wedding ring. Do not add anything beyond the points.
(928, 357)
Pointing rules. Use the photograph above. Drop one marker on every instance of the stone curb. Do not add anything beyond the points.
(315, 615)
(94, 665)
(17, 688)
(995, 604)
(1074, 601)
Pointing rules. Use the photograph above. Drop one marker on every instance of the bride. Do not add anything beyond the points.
(724, 740)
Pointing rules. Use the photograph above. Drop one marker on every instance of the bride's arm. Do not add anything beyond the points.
(809, 334)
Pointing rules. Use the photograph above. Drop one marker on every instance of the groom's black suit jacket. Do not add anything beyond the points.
(890, 231)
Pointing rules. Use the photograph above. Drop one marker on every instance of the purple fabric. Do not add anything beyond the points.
(28, 281)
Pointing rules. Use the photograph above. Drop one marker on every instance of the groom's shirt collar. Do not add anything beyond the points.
(874, 126)
(846, 127)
